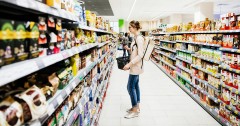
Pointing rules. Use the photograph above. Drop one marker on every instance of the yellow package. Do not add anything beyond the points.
(54, 3)
(75, 64)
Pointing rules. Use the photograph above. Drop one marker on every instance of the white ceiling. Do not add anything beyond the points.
(146, 10)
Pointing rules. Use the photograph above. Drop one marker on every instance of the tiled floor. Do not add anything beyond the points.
(163, 103)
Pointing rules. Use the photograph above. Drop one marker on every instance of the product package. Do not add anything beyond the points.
(32, 41)
(11, 112)
(20, 41)
(6, 42)
(35, 100)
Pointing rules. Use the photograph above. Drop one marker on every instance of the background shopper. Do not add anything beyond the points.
(135, 66)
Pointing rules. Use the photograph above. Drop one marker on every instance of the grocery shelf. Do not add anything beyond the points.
(18, 70)
(104, 67)
(80, 107)
(161, 52)
(102, 44)
(226, 67)
(206, 83)
(157, 34)
(217, 75)
(230, 50)
(206, 93)
(199, 43)
(61, 95)
(180, 75)
(35, 7)
(100, 85)
(180, 58)
(93, 29)
(230, 107)
(102, 57)
(186, 51)
(183, 68)
(211, 111)
(157, 58)
(207, 59)
(201, 32)
(197, 32)
(171, 50)
(232, 89)
(167, 41)
(173, 67)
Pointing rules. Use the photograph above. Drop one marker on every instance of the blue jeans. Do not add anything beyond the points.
(133, 89)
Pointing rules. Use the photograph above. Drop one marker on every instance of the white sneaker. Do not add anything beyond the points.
(129, 110)
(131, 115)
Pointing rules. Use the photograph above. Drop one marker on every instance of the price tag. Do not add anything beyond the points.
(74, 84)
(70, 52)
(80, 106)
(80, 49)
(50, 109)
(65, 55)
(59, 99)
(68, 90)
(41, 7)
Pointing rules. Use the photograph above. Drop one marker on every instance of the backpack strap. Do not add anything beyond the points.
(137, 47)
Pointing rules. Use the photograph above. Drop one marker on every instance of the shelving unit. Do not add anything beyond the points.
(182, 65)
(196, 98)
(182, 59)
(207, 59)
(171, 50)
(217, 75)
(226, 67)
(161, 52)
(167, 41)
(186, 51)
(183, 68)
(15, 71)
(173, 67)
(58, 73)
(33, 7)
(199, 43)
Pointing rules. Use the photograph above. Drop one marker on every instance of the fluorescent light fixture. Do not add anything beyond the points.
(158, 16)
(193, 3)
(131, 9)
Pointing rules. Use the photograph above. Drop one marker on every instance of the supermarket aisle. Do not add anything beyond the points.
(162, 102)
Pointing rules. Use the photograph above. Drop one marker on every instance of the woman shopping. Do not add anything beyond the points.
(136, 68)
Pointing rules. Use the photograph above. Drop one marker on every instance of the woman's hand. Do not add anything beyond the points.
(126, 47)
(127, 66)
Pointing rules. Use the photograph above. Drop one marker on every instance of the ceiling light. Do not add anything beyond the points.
(193, 3)
(157, 17)
(131, 9)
